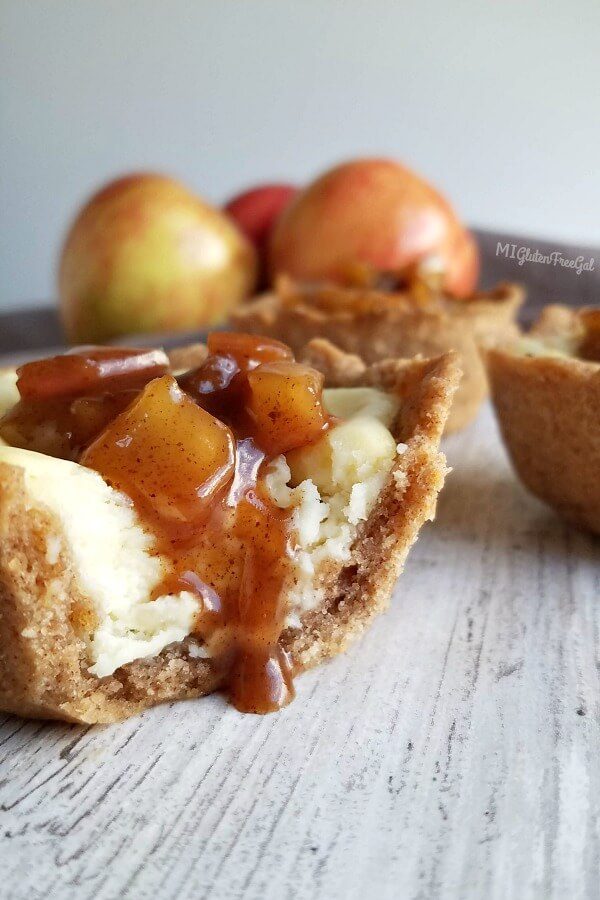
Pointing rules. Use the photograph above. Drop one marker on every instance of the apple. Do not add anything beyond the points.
(146, 255)
(376, 213)
(256, 211)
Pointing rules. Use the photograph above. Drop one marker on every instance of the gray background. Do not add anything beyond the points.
(498, 104)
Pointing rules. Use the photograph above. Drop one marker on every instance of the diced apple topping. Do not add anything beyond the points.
(197, 456)
(167, 453)
(88, 371)
(284, 405)
(249, 350)
(215, 384)
(219, 383)
(61, 427)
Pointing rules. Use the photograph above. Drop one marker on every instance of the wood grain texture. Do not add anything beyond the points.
(454, 753)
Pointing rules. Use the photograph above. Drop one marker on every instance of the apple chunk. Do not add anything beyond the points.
(166, 453)
(89, 371)
(284, 404)
(249, 350)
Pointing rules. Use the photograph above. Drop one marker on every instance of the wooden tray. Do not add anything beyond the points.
(453, 753)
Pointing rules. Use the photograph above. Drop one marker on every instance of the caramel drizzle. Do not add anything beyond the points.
(235, 555)
(238, 567)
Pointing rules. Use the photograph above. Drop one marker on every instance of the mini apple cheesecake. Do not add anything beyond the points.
(546, 393)
(167, 530)
(380, 316)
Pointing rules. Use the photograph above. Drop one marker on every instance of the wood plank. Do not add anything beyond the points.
(453, 753)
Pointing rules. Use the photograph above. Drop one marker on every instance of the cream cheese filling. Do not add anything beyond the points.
(556, 347)
(332, 486)
(112, 557)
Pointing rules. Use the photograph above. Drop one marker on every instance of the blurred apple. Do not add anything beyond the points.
(256, 211)
(375, 213)
(147, 255)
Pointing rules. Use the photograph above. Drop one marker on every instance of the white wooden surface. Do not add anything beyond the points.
(454, 753)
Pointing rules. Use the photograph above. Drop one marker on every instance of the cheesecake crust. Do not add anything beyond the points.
(377, 325)
(548, 411)
(43, 667)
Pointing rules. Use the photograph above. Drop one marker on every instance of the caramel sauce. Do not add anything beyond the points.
(239, 566)
(414, 278)
(191, 454)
